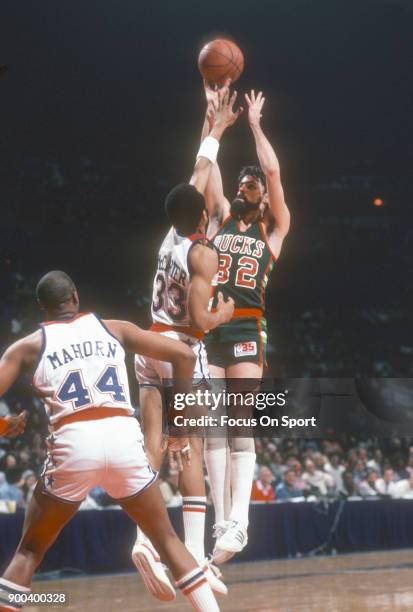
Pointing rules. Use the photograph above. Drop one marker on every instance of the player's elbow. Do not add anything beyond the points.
(285, 221)
(199, 320)
(272, 173)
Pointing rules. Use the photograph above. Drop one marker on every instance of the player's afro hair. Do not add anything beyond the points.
(183, 206)
(54, 289)
(254, 171)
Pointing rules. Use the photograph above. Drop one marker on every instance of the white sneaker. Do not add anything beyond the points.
(232, 541)
(220, 528)
(153, 573)
(213, 575)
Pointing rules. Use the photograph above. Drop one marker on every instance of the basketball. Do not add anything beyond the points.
(221, 59)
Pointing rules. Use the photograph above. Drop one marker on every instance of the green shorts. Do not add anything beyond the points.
(243, 339)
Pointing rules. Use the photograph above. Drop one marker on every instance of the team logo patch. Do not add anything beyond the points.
(242, 349)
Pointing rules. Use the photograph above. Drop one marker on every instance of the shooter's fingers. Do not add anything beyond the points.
(233, 98)
(226, 96)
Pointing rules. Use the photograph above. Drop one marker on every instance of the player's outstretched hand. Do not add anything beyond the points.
(225, 115)
(211, 91)
(226, 309)
(255, 105)
(211, 95)
(15, 425)
(179, 453)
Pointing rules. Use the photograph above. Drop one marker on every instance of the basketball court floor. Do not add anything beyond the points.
(379, 581)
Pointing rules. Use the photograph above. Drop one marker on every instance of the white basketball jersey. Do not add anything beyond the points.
(171, 282)
(83, 366)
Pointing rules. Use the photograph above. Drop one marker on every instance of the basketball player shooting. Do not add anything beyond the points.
(187, 264)
(249, 234)
(79, 369)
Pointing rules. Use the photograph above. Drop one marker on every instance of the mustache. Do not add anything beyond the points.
(240, 205)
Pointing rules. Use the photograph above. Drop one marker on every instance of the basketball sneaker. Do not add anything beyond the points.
(213, 576)
(232, 541)
(150, 567)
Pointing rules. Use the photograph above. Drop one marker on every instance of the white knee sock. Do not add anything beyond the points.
(227, 491)
(216, 460)
(194, 509)
(242, 476)
(195, 588)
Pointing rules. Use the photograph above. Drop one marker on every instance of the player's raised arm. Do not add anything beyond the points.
(269, 165)
(217, 204)
(152, 344)
(203, 265)
(224, 116)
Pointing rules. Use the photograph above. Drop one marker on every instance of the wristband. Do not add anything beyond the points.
(209, 149)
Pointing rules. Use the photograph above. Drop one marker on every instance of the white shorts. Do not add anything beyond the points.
(105, 453)
(153, 373)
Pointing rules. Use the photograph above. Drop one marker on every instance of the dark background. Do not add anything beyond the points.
(102, 109)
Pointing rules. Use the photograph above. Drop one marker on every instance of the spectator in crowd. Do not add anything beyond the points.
(386, 485)
(349, 487)
(317, 481)
(288, 488)
(299, 482)
(262, 490)
(9, 490)
(320, 461)
(335, 469)
(367, 487)
(376, 461)
(400, 467)
(359, 472)
(404, 488)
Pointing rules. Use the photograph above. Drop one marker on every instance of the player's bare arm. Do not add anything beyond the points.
(271, 168)
(224, 116)
(20, 356)
(203, 264)
(151, 344)
(217, 204)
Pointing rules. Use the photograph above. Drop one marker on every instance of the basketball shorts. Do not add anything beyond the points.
(240, 340)
(105, 453)
(154, 373)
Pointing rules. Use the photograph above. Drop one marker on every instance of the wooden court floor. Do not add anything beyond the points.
(380, 581)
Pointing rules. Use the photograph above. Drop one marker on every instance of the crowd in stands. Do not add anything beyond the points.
(324, 469)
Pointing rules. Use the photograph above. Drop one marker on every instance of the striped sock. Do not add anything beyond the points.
(194, 509)
(195, 588)
(7, 591)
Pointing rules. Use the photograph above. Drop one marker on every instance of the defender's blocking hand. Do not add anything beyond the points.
(255, 105)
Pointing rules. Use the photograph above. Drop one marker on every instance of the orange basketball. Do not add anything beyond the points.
(221, 59)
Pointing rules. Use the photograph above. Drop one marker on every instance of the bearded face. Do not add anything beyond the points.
(250, 195)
